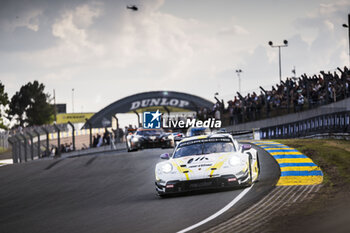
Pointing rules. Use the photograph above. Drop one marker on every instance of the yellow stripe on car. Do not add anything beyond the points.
(182, 170)
(219, 164)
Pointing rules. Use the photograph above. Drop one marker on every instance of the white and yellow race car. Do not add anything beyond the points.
(207, 161)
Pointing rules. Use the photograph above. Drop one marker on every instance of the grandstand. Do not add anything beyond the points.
(293, 95)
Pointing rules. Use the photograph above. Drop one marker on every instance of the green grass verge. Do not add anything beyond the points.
(333, 156)
(2, 149)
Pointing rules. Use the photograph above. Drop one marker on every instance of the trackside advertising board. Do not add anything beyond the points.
(73, 117)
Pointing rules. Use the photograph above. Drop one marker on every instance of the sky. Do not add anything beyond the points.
(105, 52)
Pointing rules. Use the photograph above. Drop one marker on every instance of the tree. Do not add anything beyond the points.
(4, 100)
(30, 106)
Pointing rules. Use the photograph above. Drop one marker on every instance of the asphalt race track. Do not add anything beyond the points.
(110, 192)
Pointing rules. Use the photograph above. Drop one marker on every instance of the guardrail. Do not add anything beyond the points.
(333, 124)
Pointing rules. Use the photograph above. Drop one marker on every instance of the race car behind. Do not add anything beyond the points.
(149, 138)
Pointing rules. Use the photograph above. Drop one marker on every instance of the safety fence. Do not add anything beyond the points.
(4, 139)
(55, 140)
(334, 124)
(80, 132)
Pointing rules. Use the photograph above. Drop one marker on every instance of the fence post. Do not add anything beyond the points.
(14, 150)
(25, 147)
(31, 146)
(90, 130)
(138, 119)
(19, 148)
(38, 134)
(47, 153)
(117, 134)
(58, 139)
(73, 134)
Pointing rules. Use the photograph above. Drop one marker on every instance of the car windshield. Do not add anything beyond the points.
(149, 132)
(197, 131)
(206, 146)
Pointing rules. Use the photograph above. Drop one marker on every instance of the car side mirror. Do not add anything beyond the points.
(246, 147)
(164, 156)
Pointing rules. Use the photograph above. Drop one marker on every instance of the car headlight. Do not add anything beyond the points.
(234, 161)
(166, 168)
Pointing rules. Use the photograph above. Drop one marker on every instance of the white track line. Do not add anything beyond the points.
(285, 202)
(266, 199)
(266, 218)
(227, 207)
(242, 215)
(265, 210)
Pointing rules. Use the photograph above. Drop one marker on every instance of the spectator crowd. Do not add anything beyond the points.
(293, 95)
(104, 140)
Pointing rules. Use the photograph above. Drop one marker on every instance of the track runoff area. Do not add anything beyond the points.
(299, 177)
(114, 192)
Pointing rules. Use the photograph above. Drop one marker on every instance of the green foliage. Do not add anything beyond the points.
(30, 106)
(3, 102)
(3, 150)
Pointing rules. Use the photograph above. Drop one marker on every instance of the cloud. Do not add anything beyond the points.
(101, 46)
(21, 17)
(233, 30)
(72, 27)
(325, 35)
(84, 15)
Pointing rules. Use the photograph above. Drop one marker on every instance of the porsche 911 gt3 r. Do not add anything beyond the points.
(207, 161)
(149, 138)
